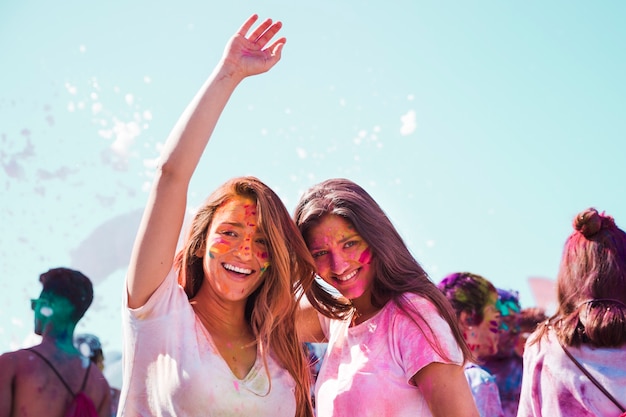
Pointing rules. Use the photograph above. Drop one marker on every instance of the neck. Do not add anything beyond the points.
(363, 310)
(54, 344)
(219, 316)
(364, 306)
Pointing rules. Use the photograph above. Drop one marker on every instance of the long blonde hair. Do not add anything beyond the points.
(271, 309)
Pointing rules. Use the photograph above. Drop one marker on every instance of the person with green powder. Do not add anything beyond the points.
(52, 377)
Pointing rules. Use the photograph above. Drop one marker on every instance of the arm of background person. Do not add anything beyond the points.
(446, 391)
(7, 378)
(155, 245)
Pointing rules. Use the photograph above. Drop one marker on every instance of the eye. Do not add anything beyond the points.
(228, 233)
(261, 241)
(350, 243)
(319, 253)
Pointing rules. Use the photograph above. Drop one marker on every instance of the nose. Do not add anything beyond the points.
(338, 264)
(244, 251)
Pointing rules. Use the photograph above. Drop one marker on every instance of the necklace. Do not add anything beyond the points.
(360, 317)
(355, 316)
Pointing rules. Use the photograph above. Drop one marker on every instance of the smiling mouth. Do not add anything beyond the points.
(233, 268)
(347, 277)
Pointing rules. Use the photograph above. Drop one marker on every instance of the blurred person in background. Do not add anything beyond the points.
(505, 365)
(474, 299)
(44, 380)
(90, 347)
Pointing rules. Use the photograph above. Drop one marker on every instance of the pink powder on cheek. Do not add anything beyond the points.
(366, 256)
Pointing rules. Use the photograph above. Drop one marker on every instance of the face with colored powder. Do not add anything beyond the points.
(342, 257)
(50, 309)
(236, 252)
(482, 339)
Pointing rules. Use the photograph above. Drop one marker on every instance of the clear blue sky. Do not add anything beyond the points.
(481, 127)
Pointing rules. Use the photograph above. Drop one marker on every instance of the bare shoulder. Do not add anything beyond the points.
(16, 360)
(8, 364)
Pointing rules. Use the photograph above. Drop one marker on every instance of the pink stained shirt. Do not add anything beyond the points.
(367, 368)
(553, 386)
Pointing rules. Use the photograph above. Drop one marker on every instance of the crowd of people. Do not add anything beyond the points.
(231, 321)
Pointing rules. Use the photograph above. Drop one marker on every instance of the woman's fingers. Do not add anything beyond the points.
(262, 34)
(267, 34)
(247, 25)
(276, 47)
(258, 32)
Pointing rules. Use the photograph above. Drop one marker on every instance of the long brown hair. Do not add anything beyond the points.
(397, 271)
(591, 285)
(271, 309)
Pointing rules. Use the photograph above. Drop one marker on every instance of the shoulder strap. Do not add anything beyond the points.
(592, 379)
(59, 375)
(82, 387)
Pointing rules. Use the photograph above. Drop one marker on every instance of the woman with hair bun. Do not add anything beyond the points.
(575, 364)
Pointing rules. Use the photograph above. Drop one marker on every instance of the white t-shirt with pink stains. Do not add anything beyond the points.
(553, 386)
(367, 368)
(172, 367)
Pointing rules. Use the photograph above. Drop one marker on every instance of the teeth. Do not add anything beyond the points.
(237, 269)
(347, 277)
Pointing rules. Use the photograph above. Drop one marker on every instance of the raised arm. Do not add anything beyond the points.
(155, 245)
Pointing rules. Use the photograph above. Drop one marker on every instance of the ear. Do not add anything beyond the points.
(466, 320)
(201, 251)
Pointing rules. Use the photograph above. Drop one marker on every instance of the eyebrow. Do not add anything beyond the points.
(344, 240)
(227, 223)
(352, 236)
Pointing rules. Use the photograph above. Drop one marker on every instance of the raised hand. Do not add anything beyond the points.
(246, 55)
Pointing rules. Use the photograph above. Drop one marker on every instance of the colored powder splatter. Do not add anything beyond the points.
(366, 256)
(46, 311)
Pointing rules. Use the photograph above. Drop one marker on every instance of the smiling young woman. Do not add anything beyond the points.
(211, 328)
(391, 326)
